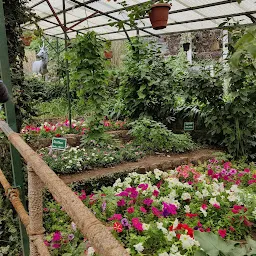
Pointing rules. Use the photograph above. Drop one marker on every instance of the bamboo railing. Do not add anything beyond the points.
(40, 175)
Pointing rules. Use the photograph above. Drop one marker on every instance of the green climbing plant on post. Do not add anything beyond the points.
(89, 77)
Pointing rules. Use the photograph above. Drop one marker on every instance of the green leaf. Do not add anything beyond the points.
(200, 253)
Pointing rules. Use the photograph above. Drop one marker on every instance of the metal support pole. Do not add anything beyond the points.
(67, 66)
(58, 58)
(35, 193)
(18, 177)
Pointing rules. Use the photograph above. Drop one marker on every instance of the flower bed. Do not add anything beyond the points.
(76, 159)
(58, 129)
(166, 213)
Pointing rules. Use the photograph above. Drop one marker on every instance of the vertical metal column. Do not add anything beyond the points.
(58, 58)
(67, 66)
(18, 176)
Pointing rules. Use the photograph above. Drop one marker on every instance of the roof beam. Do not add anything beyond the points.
(171, 12)
(38, 3)
(252, 18)
(190, 21)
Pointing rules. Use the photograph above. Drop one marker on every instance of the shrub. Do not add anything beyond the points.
(155, 136)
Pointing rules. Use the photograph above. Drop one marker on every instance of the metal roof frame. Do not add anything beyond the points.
(198, 9)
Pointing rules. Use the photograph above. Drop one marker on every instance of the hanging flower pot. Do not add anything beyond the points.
(186, 47)
(108, 54)
(159, 15)
(26, 40)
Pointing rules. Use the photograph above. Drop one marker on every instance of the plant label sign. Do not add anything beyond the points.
(59, 143)
(189, 126)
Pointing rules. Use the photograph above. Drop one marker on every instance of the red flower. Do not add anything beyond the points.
(130, 210)
(58, 135)
(204, 206)
(118, 227)
(222, 232)
(155, 193)
(191, 215)
(247, 222)
(216, 206)
(208, 230)
(178, 236)
(232, 229)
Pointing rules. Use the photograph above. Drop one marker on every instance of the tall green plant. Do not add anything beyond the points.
(89, 77)
(146, 82)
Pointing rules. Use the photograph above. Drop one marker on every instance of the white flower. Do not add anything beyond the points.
(213, 201)
(170, 235)
(186, 241)
(139, 247)
(232, 197)
(175, 223)
(158, 174)
(160, 227)
(203, 211)
(234, 188)
(90, 251)
(186, 196)
(199, 194)
(205, 192)
(187, 209)
(174, 249)
(163, 254)
(145, 226)
(73, 225)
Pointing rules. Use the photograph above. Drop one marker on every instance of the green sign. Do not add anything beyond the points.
(59, 143)
(188, 126)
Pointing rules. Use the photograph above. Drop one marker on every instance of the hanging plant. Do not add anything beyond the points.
(158, 12)
(27, 37)
(108, 53)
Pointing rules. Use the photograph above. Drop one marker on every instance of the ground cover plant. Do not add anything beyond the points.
(170, 213)
(77, 159)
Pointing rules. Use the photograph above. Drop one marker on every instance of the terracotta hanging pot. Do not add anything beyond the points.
(26, 40)
(108, 54)
(159, 15)
(186, 47)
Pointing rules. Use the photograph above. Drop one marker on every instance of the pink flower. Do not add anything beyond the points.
(232, 229)
(155, 193)
(123, 193)
(148, 201)
(156, 212)
(83, 195)
(143, 186)
(210, 172)
(222, 232)
(204, 206)
(247, 170)
(121, 202)
(227, 165)
(56, 236)
(46, 243)
(130, 210)
(217, 206)
(56, 246)
(142, 209)
(116, 217)
(137, 224)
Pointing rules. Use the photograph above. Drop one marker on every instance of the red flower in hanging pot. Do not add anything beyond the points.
(159, 15)
(108, 54)
(26, 40)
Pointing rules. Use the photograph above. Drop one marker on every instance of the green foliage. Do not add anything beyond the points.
(89, 77)
(214, 245)
(146, 83)
(9, 233)
(152, 135)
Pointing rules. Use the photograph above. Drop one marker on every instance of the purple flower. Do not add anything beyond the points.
(121, 202)
(169, 209)
(103, 206)
(125, 222)
(71, 237)
(232, 171)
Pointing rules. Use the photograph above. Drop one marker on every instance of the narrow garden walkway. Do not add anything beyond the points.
(147, 163)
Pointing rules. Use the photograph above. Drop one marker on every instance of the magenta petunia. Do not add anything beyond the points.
(222, 232)
(121, 202)
(155, 193)
(56, 246)
(137, 224)
(116, 217)
(56, 236)
(148, 201)
(142, 209)
(143, 186)
(130, 210)
(123, 193)
(156, 212)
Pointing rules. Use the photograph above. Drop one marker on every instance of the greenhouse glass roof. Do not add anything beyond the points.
(97, 15)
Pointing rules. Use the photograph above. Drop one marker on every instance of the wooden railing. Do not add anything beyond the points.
(40, 175)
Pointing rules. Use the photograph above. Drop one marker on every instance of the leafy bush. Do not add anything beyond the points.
(146, 82)
(155, 136)
(9, 231)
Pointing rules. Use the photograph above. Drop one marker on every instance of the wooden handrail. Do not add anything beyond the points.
(99, 235)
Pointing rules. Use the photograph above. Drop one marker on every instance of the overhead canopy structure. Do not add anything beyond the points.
(97, 15)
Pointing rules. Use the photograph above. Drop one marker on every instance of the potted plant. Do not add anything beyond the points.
(27, 37)
(186, 46)
(108, 53)
(159, 15)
